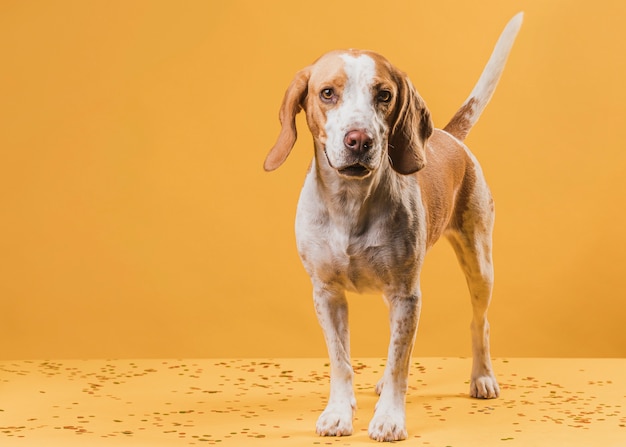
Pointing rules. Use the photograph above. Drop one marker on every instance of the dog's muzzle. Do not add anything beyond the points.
(355, 170)
(357, 163)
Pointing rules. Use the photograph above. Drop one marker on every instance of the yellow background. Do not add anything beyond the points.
(136, 219)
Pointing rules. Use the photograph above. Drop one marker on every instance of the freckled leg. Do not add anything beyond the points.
(332, 312)
(474, 254)
(389, 421)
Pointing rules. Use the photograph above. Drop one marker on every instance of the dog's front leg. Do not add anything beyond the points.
(331, 307)
(389, 421)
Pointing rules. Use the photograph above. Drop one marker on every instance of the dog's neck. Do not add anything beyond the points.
(354, 202)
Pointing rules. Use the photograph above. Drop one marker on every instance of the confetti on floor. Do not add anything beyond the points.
(264, 402)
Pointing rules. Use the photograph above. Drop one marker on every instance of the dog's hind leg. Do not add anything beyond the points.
(331, 307)
(472, 244)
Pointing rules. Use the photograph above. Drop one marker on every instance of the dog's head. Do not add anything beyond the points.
(361, 110)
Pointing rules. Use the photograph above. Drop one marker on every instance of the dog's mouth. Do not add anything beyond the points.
(356, 170)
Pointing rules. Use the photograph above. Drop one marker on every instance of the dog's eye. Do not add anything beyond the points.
(384, 96)
(327, 94)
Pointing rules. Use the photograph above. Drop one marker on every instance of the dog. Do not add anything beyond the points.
(383, 187)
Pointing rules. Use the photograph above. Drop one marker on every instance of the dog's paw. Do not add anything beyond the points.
(335, 420)
(388, 426)
(484, 387)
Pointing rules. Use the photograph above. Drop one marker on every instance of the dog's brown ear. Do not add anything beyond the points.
(410, 129)
(292, 103)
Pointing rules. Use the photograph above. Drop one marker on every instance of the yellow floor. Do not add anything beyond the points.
(265, 402)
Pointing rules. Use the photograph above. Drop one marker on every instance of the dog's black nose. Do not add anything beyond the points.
(357, 141)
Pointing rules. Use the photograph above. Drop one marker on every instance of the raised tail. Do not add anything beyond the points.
(465, 118)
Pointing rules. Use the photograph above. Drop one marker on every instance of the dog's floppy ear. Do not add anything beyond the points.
(292, 103)
(410, 128)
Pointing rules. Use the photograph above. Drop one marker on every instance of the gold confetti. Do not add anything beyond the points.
(276, 402)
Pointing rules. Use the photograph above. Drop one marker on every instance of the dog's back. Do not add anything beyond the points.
(450, 180)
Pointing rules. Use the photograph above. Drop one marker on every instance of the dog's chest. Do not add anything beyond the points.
(360, 263)
(361, 258)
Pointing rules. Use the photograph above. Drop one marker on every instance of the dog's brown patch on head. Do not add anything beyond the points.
(386, 80)
(407, 116)
(326, 73)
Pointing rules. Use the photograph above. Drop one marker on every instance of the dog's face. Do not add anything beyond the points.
(362, 113)
(349, 106)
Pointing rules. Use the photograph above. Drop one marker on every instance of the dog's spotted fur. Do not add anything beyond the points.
(372, 205)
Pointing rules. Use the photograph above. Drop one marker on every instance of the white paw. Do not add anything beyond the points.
(484, 387)
(335, 420)
(388, 426)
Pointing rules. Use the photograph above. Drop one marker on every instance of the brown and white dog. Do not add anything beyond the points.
(384, 185)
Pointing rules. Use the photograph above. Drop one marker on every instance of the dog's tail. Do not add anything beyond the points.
(462, 122)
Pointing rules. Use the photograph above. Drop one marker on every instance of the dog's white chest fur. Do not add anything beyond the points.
(347, 243)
